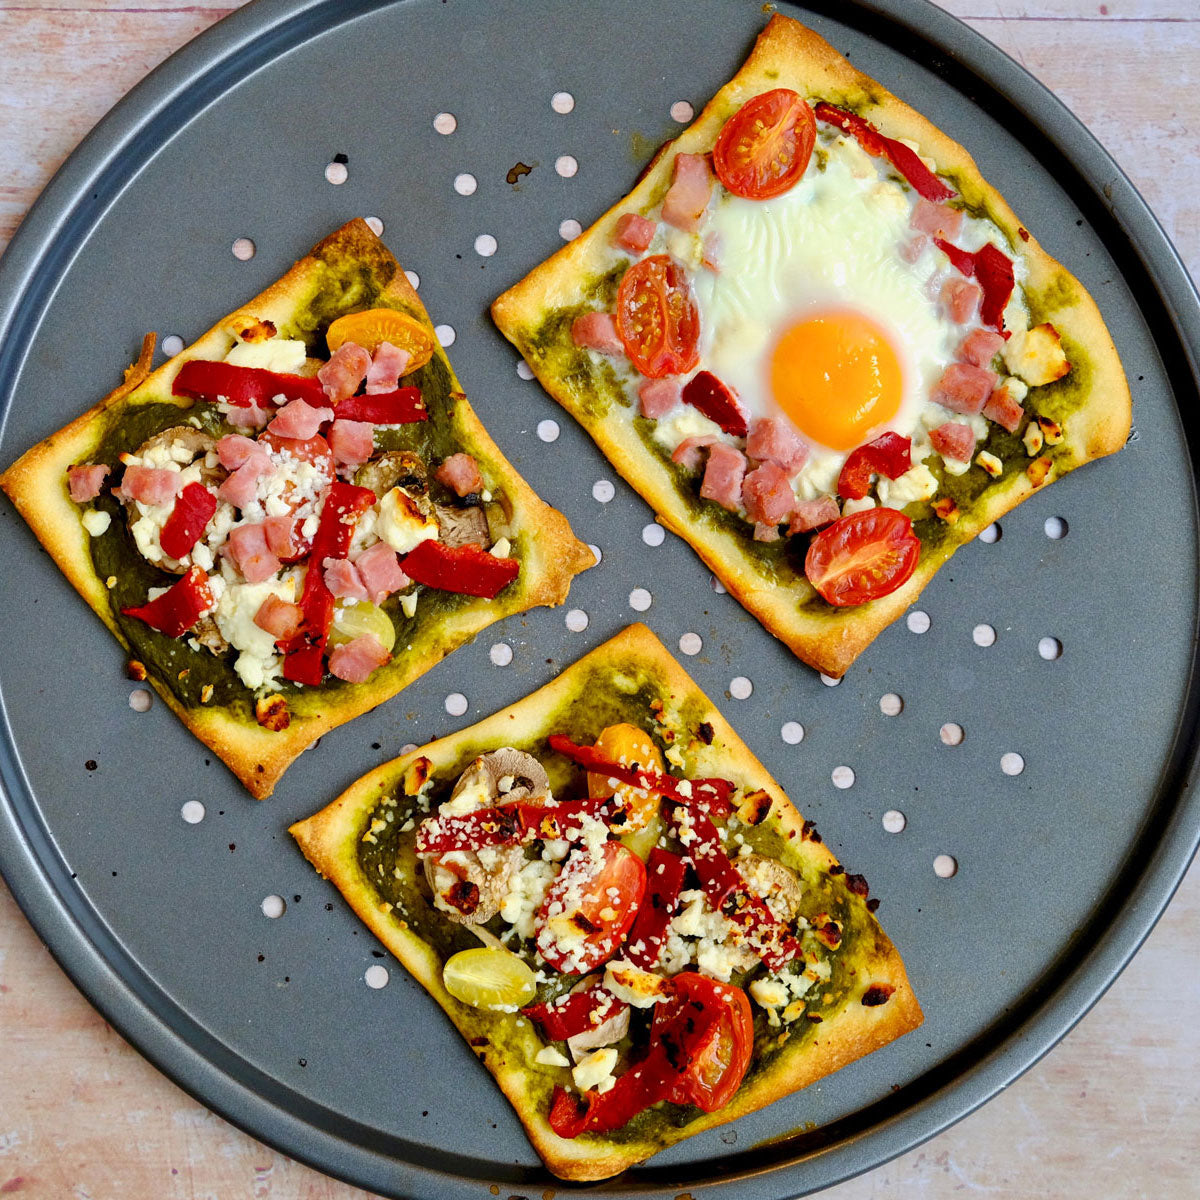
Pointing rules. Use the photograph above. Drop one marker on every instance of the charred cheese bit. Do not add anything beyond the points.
(284, 356)
(1036, 355)
(417, 774)
(1034, 439)
(257, 331)
(946, 509)
(1038, 470)
(1052, 431)
(272, 713)
(637, 988)
(402, 524)
(990, 463)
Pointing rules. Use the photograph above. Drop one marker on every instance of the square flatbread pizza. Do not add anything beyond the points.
(619, 909)
(821, 346)
(297, 515)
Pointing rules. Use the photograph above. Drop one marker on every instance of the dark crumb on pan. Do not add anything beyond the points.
(90, 765)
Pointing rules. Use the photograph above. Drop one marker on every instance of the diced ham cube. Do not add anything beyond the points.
(357, 660)
(352, 442)
(937, 220)
(964, 388)
(298, 419)
(343, 580)
(684, 204)
(1004, 409)
(241, 488)
(150, 485)
(85, 481)
(281, 537)
(460, 473)
(597, 331)
(342, 374)
(765, 533)
(658, 397)
(911, 250)
(767, 494)
(954, 440)
(980, 346)
(387, 365)
(247, 546)
(279, 618)
(634, 232)
(249, 416)
(814, 514)
(690, 452)
(774, 439)
(235, 449)
(723, 476)
(960, 298)
(380, 571)
(710, 253)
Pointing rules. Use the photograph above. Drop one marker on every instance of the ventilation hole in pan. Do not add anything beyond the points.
(691, 644)
(792, 733)
(445, 123)
(548, 430)
(413, 278)
(243, 249)
(653, 535)
(273, 906)
(640, 600)
(566, 165)
(524, 370)
(486, 245)
(890, 704)
(717, 585)
(445, 335)
(569, 229)
(375, 225)
(894, 821)
(682, 112)
(740, 687)
(918, 621)
(992, 533)
(408, 747)
(983, 635)
(192, 812)
(501, 654)
(830, 680)
(456, 704)
(376, 976)
(562, 102)
(140, 700)
(1050, 648)
(597, 552)
(603, 491)
(1012, 763)
(172, 344)
(843, 777)
(951, 734)
(945, 866)
(337, 173)
(1056, 528)
(465, 184)
(577, 620)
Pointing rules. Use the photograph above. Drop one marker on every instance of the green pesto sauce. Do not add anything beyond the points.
(172, 661)
(388, 864)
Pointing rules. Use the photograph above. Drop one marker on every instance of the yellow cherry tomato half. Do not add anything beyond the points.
(359, 617)
(628, 745)
(489, 977)
(374, 326)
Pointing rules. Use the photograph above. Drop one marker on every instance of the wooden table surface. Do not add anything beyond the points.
(1111, 1111)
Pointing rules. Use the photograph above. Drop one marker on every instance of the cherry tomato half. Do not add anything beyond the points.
(657, 318)
(863, 556)
(707, 1029)
(765, 146)
(629, 745)
(587, 911)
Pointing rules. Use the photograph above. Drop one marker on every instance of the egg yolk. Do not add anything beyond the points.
(837, 377)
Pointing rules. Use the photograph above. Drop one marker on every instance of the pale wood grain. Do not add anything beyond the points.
(1109, 1113)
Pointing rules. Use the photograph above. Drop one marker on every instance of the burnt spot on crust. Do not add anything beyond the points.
(877, 994)
(858, 885)
(258, 330)
(705, 733)
(873, 904)
(417, 775)
(754, 807)
(1023, 233)
(271, 712)
(808, 831)
(135, 670)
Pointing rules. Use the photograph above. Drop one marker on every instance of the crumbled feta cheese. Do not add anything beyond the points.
(96, 521)
(551, 1056)
(769, 993)
(257, 663)
(402, 524)
(635, 987)
(284, 356)
(593, 1070)
(918, 483)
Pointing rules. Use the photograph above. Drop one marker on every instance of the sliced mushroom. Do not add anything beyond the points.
(206, 632)
(780, 886)
(464, 889)
(462, 526)
(506, 774)
(395, 468)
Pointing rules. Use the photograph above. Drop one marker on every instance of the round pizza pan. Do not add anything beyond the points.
(1060, 656)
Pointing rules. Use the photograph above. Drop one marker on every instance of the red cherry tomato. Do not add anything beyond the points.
(707, 1029)
(588, 910)
(657, 319)
(765, 146)
(863, 556)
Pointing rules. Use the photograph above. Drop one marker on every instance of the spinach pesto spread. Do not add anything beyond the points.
(429, 854)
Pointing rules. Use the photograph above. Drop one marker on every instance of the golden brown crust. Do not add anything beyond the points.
(787, 54)
(37, 485)
(329, 840)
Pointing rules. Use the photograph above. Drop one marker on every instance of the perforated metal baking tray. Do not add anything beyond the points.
(1063, 650)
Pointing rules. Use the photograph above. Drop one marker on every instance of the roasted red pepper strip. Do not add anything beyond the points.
(193, 510)
(304, 653)
(907, 162)
(726, 889)
(401, 407)
(889, 455)
(706, 393)
(469, 570)
(511, 824)
(994, 270)
(179, 607)
(644, 1084)
(577, 1012)
(711, 795)
(243, 386)
(664, 880)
